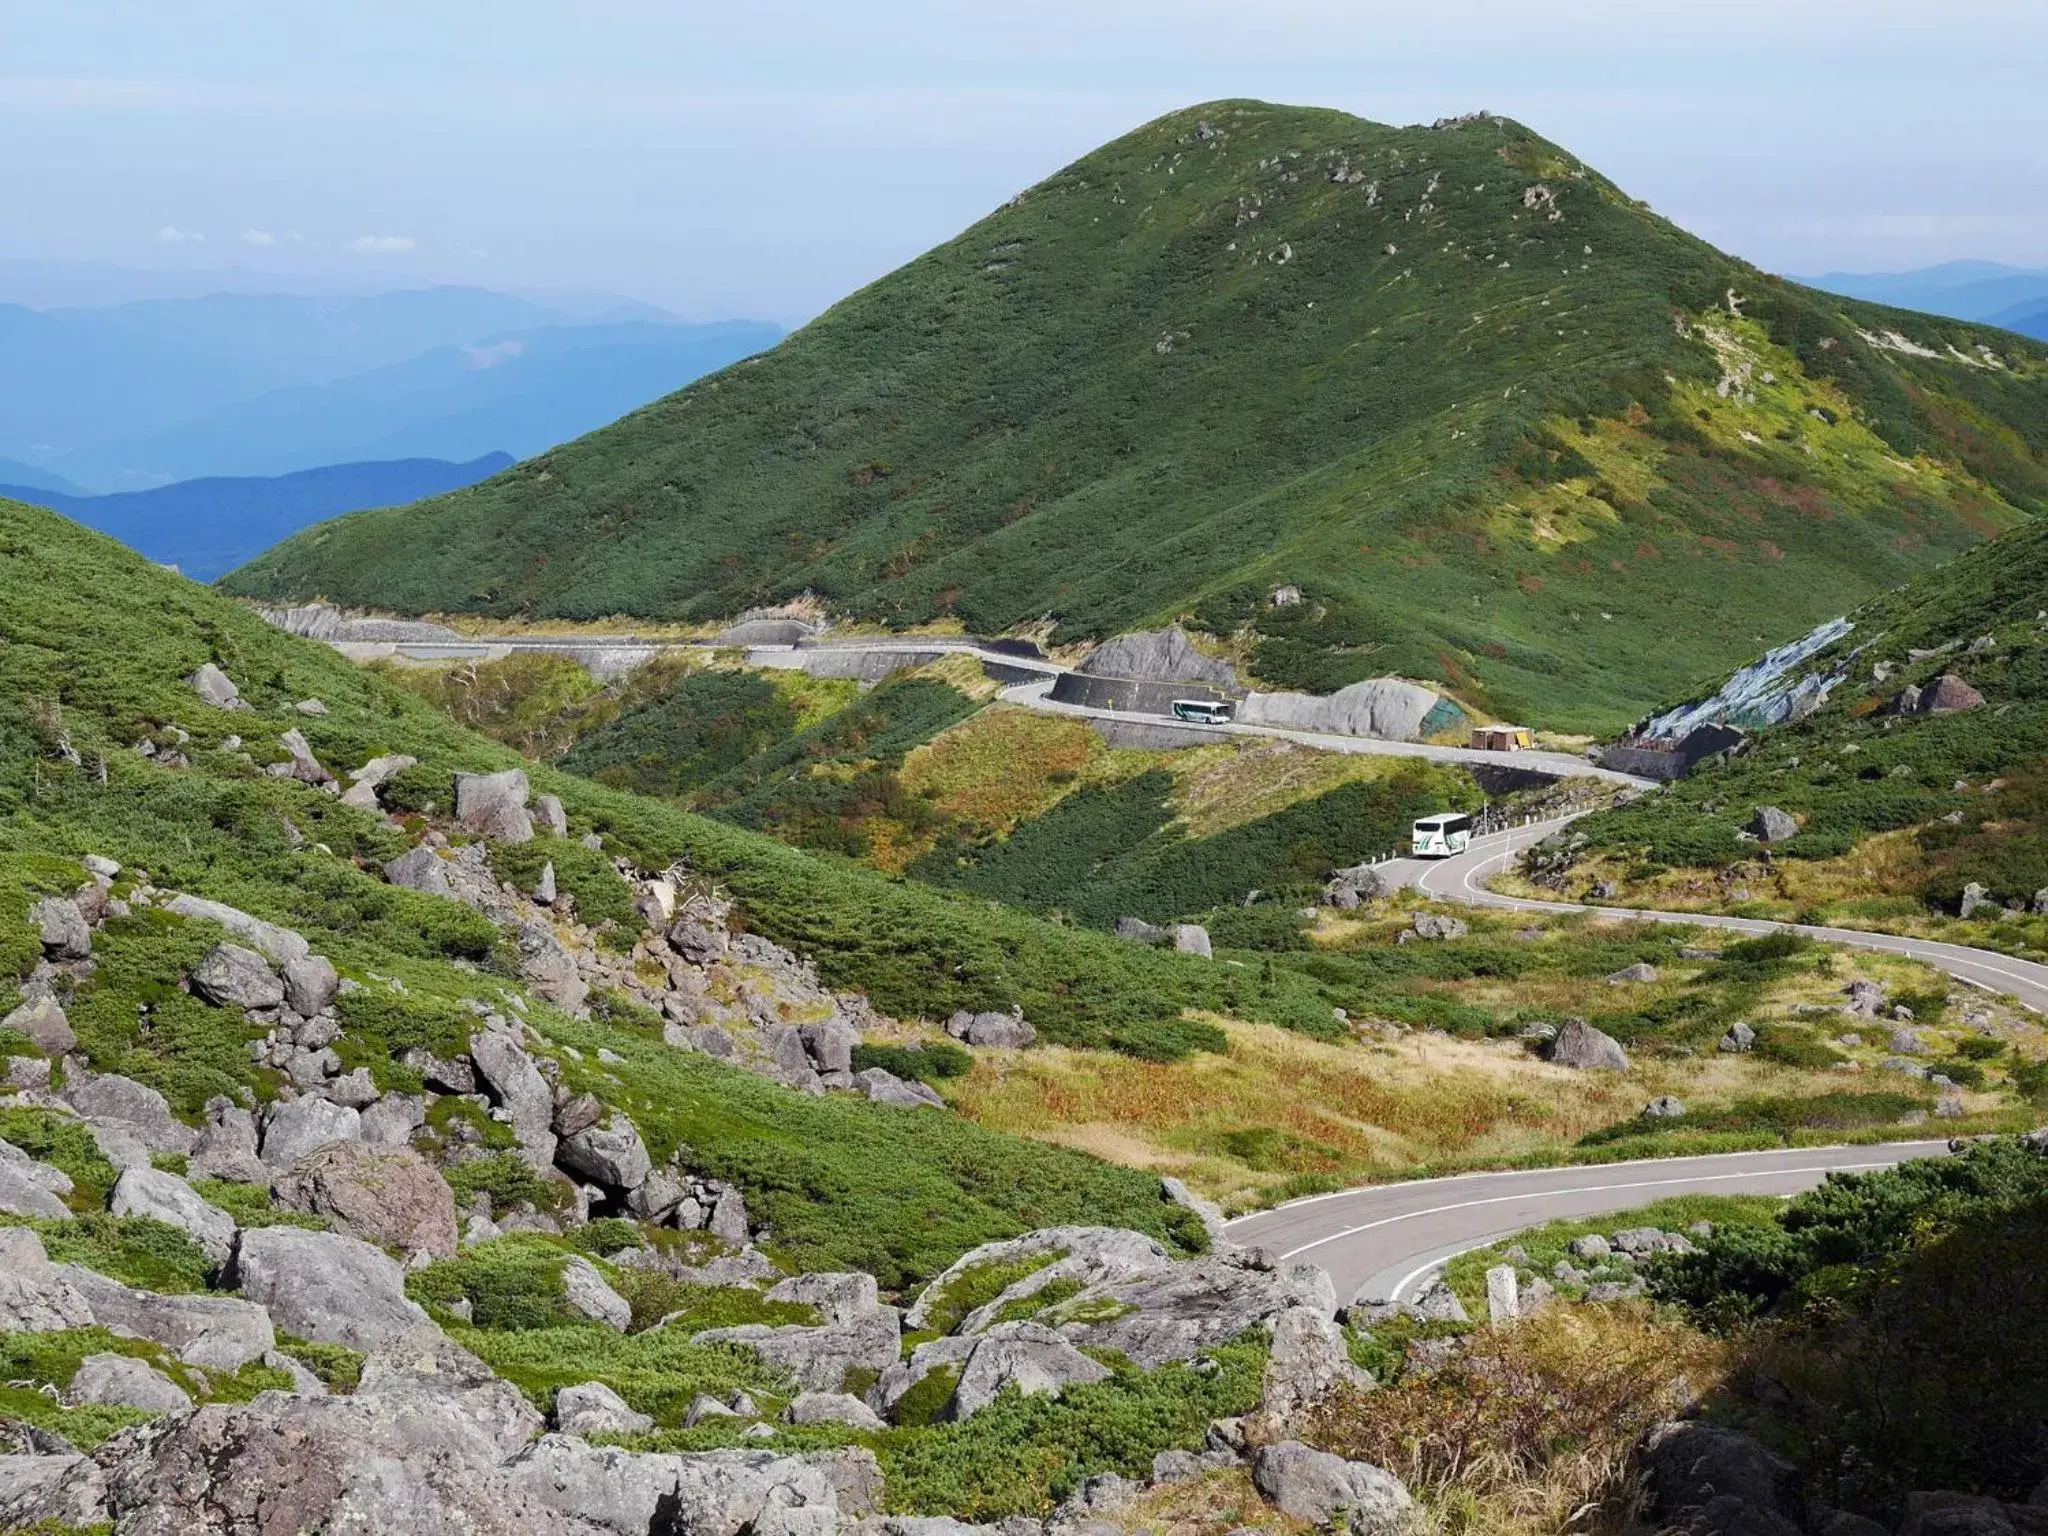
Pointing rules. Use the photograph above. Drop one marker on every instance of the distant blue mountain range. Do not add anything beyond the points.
(1962, 290)
(207, 527)
(131, 396)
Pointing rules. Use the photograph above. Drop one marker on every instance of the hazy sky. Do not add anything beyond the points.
(766, 156)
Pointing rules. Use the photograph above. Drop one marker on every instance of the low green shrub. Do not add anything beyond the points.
(930, 1063)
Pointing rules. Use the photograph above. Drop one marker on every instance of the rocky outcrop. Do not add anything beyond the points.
(229, 976)
(1002, 1031)
(390, 1196)
(130, 1107)
(302, 1126)
(1160, 656)
(610, 1153)
(1704, 1477)
(1771, 825)
(277, 944)
(1091, 1255)
(216, 688)
(858, 1331)
(595, 1409)
(38, 1492)
(1386, 708)
(1028, 1356)
(588, 1292)
(122, 1381)
(1361, 883)
(325, 1286)
(519, 1090)
(43, 1020)
(1309, 1361)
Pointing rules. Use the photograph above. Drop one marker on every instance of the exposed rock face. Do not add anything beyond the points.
(35, 1296)
(386, 1195)
(550, 967)
(1772, 825)
(1211, 1215)
(1664, 1107)
(125, 1382)
(325, 1286)
(1740, 1037)
(832, 1408)
(1178, 1310)
(1089, 1254)
(303, 1126)
(229, 976)
(1641, 971)
(168, 1198)
(1192, 939)
(1348, 888)
(885, 1087)
(300, 762)
(1387, 708)
(493, 805)
(1438, 925)
(1138, 931)
(1163, 656)
(1029, 1356)
(587, 1291)
(222, 1333)
(1580, 1045)
(595, 1409)
(1327, 1490)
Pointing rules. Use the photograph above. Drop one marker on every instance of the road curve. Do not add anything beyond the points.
(1463, 878)
(1380, 1241)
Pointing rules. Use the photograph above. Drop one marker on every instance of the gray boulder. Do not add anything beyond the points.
(885, 1087)
(1192, 939)
(226, 1148)
(1138, 931)
(229, 976)
(1028, 1356)
(310, 984)
(1002, 1031)
(1580, 1046)
(325, 1286)
(589, 1293)
(279, 945)
(1720, 1479)
(858, 1331)
(300, 762)
(23, 1194)
(519, 1089)
(595, 1409)
(63, 1491)
(301, 1126)
(1350, 888)
(1092, 1255)
(43, 1020)
(1324, 1489)
(728, 1222)
(1976, 898)
(35, 1295)
(222, 1333)
(1438, 925)
(610, 1153)
(831, 1043)
(1664, 1107)
(1740, 1038)
(1211, 1214)
(122, 1381)
(1436, 1302)
(1641, 971)
(548, 813)
(1175, 1311)
(166, 1197)
(420, 869)
(134, 1108)
(1309, 1361)
(55, 1180)
(390, 1196)
(493, 805)
(62, 928)
(215, 687)
(1591, 1246)
(547, 964)
(1772, 825)
(832, 1408)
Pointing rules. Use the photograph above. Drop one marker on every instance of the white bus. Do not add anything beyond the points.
(1201, 712)
(1438, 837)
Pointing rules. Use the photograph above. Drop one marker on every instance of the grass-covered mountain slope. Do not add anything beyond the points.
(1507, 428)
(1910, 797)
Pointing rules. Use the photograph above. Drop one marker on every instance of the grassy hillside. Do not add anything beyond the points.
(1506, 427)
(1897, 815)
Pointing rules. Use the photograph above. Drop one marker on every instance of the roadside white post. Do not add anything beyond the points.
(1503, 1299)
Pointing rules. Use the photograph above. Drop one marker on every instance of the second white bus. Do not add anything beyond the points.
(1439, 837)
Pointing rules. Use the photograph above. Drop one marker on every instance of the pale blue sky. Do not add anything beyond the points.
(767, 156)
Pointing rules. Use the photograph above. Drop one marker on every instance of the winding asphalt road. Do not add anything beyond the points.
(1378, 1243)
